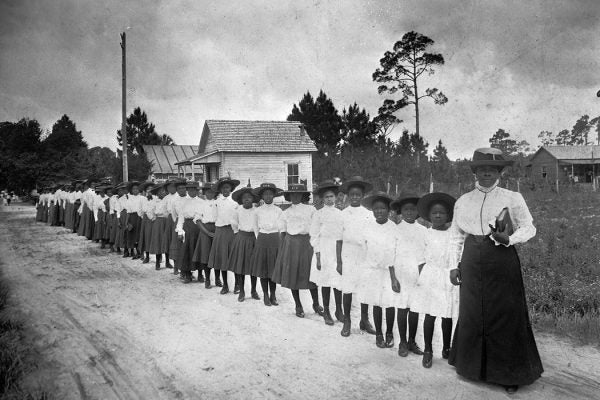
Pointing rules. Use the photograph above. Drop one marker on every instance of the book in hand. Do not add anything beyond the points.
(504, 223)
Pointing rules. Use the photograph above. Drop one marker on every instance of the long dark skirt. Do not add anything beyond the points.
(168, 235)
(132, 231)
(265, 255)
(187, 247)
(61, 214)
(90, 225)
(221, 246)
(292, 268)
(203, 245)
(114, 228)
(82, 220)
(174, 244)
(38, 213)
(145, 234)
(120, 239)
(99, 226)
(493, 340)
(52, 215)
(68, 213)
(240, 256)
(107, 226)
(158, 244)
(75, 215)
(44, 213)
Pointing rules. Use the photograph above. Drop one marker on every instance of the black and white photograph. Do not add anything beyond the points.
(378, 199)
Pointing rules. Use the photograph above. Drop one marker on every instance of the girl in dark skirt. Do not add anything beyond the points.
(114, 219)
(122, 220)
(171, 186)
(175, 204)
(187, 231)
(158, 244)
(132, 224)
(225, 209)
(267, 242)
(205, 219)
(146, 223)
(493, 340)
(107, 217)
(99, 211)
(292, 268)
(246, 229)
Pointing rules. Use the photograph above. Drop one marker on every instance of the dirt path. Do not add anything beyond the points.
(110, 328)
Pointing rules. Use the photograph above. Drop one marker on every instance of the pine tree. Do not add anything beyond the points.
(357, 129)
(140, 132)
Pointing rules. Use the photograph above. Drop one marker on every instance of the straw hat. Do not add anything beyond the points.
(407, 198)
(489, 156)
(356, 181)
(268, 186)
(326, 186)
(376, 196)
(237, 195)
(425, 203)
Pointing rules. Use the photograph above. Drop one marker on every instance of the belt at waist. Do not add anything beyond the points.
(208, 223)
(224, 226)
(479, 238)
(297, 234)
(246, 233)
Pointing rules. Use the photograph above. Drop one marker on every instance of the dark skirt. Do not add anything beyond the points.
(120, 239)
(107, 226)
(145, 233)
(158, 244)
(75, 215)
(90, 225)
(38, 213)
(114, 228)
(186, 249)
(174, 244)
(240, 256)
(203, 245)
(99, 226)
(68, 216)
(219, 252)
(44, 213)
(82, 220)
(132, 235)
(52, 215)
(168, 235)
(61, 215)
(265, 255)
(292, 268)
(493, 340)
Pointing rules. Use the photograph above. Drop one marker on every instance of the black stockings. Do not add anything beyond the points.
(428, 326)
(314, 293)
(390, 314)
(413, 323)
(268, 286)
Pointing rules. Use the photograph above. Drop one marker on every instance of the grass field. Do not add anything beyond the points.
(561, 265)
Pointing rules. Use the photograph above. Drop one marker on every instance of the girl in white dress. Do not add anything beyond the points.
(412, 242)
(435, 295)
(325, 231)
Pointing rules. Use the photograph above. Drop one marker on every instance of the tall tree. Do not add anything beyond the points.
(502, 140)
(140, 132)
(595, 122)
(386, 121)
(322, 121)
(64, 138)
(20, 161)
(404, 146)
(401, 70)
(419, 147)
(357, 129)
(546, 138)
(563, 137)
(580, 131)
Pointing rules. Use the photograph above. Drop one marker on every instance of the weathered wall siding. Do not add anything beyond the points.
(266, 167)
(545, 159)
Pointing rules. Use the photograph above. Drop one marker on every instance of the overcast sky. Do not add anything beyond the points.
(524, 66)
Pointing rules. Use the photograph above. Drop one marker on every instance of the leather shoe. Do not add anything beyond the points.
(511, 389)
(379, 341)
(273, 300)
(255, 296)
(241, 296)
(267, 301)
(168, 265)
(327, 318)
(186, 278)
(427, 359)
(414, 348)
(224, 290)
(236, 289)
(367, 327)
(403, 349)
(445, 354)
(318, 309)
(389, 340)
(157, 267)
(200, 277)
(299, 312)
(339, 315)
(146, 261)
(207, 284)
(218, 282)
(346, 328)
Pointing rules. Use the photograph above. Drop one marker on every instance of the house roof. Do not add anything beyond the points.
(255, 137)
(573, 152)
(163, 158)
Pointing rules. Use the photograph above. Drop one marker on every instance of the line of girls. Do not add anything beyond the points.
(357, 251)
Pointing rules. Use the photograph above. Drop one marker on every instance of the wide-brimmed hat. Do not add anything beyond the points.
(157, 187)
(131, 184)
(356, 181)
(489, 156)
(192, 185)
(102, 188)
(296, 188)
(425, 203)
(268, 186)
(208, 186)
(407, 198)
(375, 196)
(237, 195)
(174, 181)
(144, 185)
(325, 186)
(221, 181)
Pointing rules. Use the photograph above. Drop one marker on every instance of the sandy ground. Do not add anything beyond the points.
(109, 328)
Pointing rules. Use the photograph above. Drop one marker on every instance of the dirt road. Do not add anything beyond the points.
(109, 328)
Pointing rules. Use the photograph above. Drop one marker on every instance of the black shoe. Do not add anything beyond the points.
(111, 249)
(118, 251)
(273, 300)
(367, 327)
(346, 328)
(224, 290)
(511, 389)
(168, 265)
(379, 341)
(157, 267)
(241, 296)
(102, 246)
(414, 348)
(175, 271)
(327, 317)
(445, 354)
(126, 254)
(427, 359)
(267, 301)
(318, 309)
(207, 284)
(218, 282)
(187, 278)
(403, 349)
(236, 288)
(389, 340)
(299, 312)
(339, 315)
(146, 260)
(200, 277)
(255, 295)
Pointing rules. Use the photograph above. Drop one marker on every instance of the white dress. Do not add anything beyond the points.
(435, 294)
(354, 222)
(325, 231)
(409, 249)
(376, 285)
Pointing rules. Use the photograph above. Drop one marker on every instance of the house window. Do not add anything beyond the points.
(293, 175)
(544, 172)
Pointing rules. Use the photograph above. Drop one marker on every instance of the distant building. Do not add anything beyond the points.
(279, 152)
(565, 163)
(164, 159)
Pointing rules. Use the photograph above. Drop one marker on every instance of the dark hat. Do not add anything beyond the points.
(208, 186)
(192, 185)
(375, 196)
(296, 188)
(356, 181)
(268, 186)
(144, 185)
(157, 187)
(489, 156)
(174, 181)
(425, 203)
(221, 181)
(325, 186)
(237, 195)
(407, 198)
(102, 188)
(131, 184)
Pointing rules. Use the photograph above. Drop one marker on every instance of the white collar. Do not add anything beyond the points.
(487, 189)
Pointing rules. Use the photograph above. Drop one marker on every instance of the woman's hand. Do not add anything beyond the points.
(395, 284)
(421, 267)
(318, 256)
(455, 277)
(339, 267)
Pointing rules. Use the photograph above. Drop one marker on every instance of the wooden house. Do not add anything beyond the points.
(577, 164)
(279, 152)
(164, 159)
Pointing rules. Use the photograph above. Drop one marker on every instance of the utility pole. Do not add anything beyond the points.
(123, 112)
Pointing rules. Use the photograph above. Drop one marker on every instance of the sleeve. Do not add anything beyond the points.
(255, 222)
(95, 207)
(198, 213)
(141, 206)
(179, 227)
(315, 231)
(282, 222)
(456, 241)
(522, 221)
(235, 221)
(174, 205)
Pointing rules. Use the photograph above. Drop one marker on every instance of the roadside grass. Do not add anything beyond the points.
(561, 265)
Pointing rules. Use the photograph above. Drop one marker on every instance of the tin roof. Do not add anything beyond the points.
(573, 152)
(163, 158)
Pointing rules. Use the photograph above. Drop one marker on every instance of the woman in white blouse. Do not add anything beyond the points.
(493, 341)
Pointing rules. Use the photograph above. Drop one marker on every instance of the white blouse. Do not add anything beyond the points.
(473, 212)
(326, 223)
(134, 204)
(381, 240)
(225, 210)
(245, 220)
(160, 207)
(112, 203)
(176, 205)
(354, 222)
(413, 237)
(296, 219)
(206, 213)
(187, 207)
(267, 217)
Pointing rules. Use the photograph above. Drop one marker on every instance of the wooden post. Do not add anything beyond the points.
(193, 175)
(519, 185)
(124, 110)
(556, 176)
